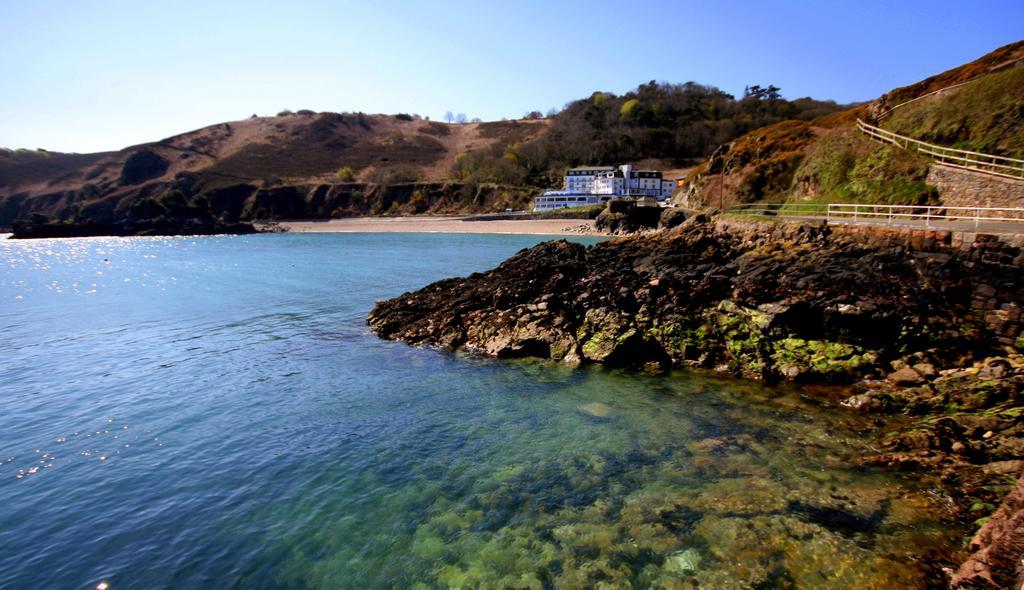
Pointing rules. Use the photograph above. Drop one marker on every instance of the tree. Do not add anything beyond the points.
(534, 115)
(551, 112)
(461, 118)
(449, 117)
(628, 108)
(476, 120)
(756, 92)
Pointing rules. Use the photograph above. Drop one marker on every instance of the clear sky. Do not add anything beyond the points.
(89, 75)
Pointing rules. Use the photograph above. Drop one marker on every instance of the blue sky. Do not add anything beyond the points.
(89, 75)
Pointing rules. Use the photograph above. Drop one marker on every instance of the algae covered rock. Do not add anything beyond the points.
(763, 301)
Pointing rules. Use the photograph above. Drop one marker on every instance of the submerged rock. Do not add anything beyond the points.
(683, 562)
(596, 409)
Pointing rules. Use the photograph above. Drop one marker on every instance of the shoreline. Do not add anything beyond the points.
(454, 225)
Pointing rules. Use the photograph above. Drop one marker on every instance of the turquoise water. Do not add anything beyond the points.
(213, 412)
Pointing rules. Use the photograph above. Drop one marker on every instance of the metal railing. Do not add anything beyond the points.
(964, 159)
(885, 114)
(882, 214)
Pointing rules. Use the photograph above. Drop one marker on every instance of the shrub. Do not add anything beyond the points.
(172, 200)
(285, 113)
(142, 165)
(404, 117)
(345, 174)
(305, 112)
(418, 201)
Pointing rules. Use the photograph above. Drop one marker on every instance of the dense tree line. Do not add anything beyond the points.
(680, 122)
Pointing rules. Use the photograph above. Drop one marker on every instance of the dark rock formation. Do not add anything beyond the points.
(235, 200)
(762, 301)
(622, 217)
(149, 227)
(674, 217)
(998, 547)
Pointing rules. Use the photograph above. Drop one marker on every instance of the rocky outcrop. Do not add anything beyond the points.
(762, 301)
(996, 562)
(622, 217)
(149, 227)
(245, 201)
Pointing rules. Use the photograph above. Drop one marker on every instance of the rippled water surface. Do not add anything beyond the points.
(213, 412)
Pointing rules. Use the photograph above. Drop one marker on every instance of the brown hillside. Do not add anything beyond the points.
(21, 167)
(296, 148)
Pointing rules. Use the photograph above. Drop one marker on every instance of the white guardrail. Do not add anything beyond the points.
(883, 214)
(967, 160)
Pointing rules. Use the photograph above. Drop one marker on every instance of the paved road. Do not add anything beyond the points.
(984, 227)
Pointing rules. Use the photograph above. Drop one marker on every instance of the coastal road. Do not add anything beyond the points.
(982, 227)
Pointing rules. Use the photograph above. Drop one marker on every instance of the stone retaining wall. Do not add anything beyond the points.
(962, 188)
(1000, 260)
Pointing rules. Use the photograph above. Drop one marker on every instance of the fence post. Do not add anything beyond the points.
(928, 217)
(977, 217)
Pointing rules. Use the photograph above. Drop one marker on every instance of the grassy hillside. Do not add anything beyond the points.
(828, 160)
(969, 71)
(985, 115)
(35, 166)
(293, 148)
(843, 166)
(301, 149)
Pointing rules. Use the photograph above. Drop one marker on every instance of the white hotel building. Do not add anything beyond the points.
(591, 185)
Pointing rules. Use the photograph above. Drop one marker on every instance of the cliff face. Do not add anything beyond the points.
(250, 202)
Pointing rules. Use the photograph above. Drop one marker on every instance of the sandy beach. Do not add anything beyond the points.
(442, 225)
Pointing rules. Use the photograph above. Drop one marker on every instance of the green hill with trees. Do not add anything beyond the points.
(674, 122)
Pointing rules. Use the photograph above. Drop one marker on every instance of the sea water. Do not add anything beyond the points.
(213, 412)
